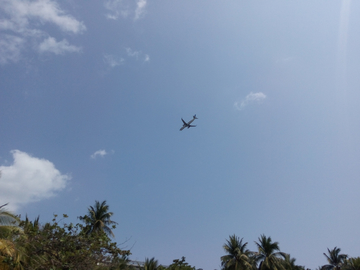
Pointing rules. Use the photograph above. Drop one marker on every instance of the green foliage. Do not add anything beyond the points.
(289, 263)
(121, 263)
(179, 265)
(7, 218)
(53, 246)
(29, 245)
(335, 259)
(9, 256)
(98, 219)
(352, 264)
(8, 222)
(150, 264)
(269, 254)
(238, 256)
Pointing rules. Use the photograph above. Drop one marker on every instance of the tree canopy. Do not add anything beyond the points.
(31, 245)
(98, 219)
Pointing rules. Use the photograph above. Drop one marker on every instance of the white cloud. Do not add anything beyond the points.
(22, 11)
(10, 48)
(249, 99)
(24, 19)
(125, 8)
(29, 179)
(116, 8)
(100, 153)
(112, 60)
(51, 45)
(132, 53)
(137, 55)
(140, 9)
(111, 16)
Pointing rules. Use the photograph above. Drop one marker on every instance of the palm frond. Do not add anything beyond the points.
(98, 219)
(7, 218)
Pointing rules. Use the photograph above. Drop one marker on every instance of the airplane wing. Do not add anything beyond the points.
(183, 121)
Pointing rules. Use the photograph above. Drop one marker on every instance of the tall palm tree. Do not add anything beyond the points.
(238, 256)
(335, 259)
(98, 219)
(269, 254)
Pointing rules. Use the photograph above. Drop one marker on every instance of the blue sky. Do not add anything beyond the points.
(92, 96)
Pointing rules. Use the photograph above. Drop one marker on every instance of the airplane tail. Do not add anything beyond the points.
(195, 117)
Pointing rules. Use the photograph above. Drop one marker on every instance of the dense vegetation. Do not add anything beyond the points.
(269, 257)
(26, 244)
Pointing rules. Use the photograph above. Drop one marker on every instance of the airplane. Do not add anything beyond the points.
(187, 125)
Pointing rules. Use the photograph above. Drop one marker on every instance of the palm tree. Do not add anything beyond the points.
(289, 263)
(121, 263)
(6, 217)
(7, 221)
(334, 259)
(238, 256)
(269, 254)
(8, 229)
(151, 264)
(98, 219)
(30, 226)
(352, 264)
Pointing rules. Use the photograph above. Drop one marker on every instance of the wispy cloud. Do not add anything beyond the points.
(130, 52)
(99, 153)
(116, 8)
(125, 9)
(29, 179)
(10, 48)
(23, 20)
(20, 12)
(138, 55)
(250, 99)
(112, 60)
(140, 9)
(128, 56)
(51, 45)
